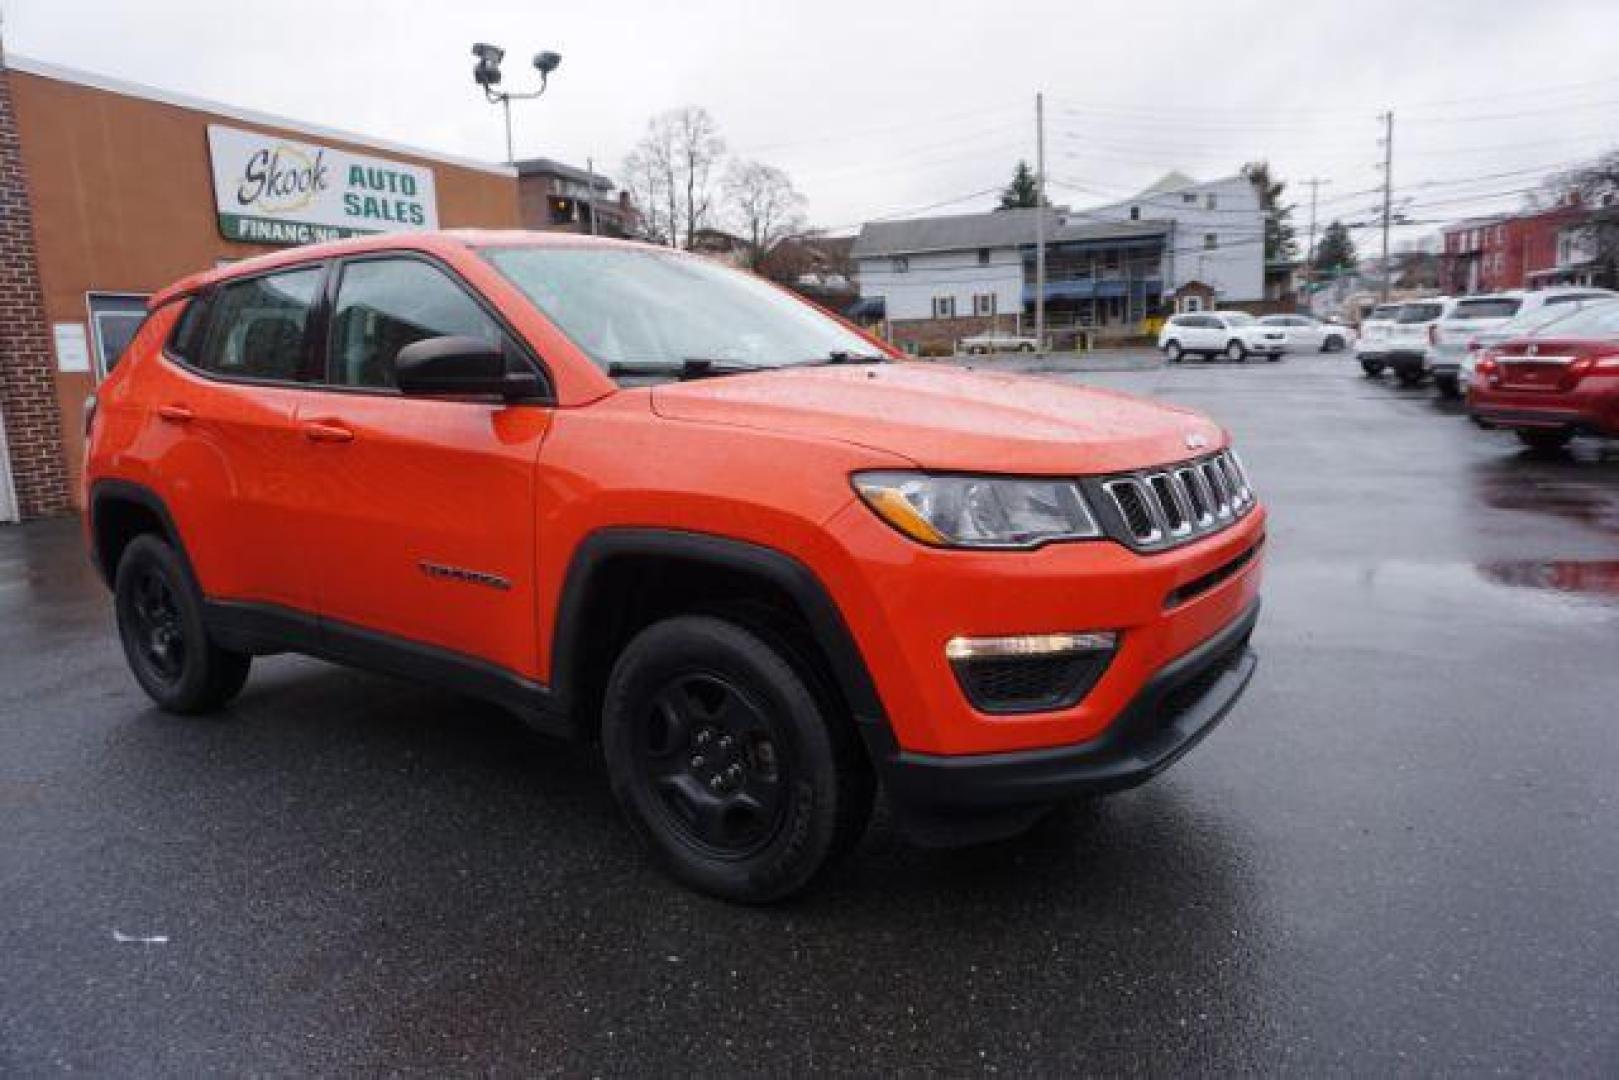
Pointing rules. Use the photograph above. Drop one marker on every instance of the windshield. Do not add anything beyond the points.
(1418, 313)
(1591, 321)
(651, 311)
(1498, 307)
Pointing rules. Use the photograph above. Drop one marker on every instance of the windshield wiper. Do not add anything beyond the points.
(692, 367)
(841, 357)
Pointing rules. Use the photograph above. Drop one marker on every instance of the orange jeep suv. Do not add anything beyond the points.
(643, 499)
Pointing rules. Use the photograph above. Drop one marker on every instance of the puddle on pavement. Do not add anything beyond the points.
(1598, 578)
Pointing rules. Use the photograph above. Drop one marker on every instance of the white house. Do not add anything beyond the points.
(1107, 266)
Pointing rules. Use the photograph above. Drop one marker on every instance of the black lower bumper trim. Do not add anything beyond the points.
(1177, 707)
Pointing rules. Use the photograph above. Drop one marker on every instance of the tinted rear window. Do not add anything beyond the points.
(1494, 308)
(1385, 311)
(1418, 313)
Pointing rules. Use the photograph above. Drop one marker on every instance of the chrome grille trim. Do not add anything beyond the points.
(1164, 508)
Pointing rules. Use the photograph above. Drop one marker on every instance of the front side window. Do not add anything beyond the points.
(258, 327)
(384, 305)
(631, 309)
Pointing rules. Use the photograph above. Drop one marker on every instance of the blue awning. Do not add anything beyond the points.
(1092, 289)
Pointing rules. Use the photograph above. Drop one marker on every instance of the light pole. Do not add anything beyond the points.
(486, 73)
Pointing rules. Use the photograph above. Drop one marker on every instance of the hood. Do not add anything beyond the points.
(949, 419)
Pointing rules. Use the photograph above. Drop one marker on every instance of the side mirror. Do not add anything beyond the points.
(460, 367)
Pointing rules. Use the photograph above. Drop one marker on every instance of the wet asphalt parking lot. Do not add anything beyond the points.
(1399, 854)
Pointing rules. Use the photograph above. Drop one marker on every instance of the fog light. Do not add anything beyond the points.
(1032, 645)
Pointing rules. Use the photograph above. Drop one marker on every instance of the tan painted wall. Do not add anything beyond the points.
(123, 201)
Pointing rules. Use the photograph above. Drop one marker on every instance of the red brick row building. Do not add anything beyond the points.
(1517, 251)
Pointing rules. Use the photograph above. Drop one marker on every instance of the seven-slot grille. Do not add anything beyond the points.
(1183, 502)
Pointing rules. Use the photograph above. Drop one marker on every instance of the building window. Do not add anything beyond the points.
(901, 264)
(983, 256)
(1188, 198)
(1135, 213)
(1211, 241)
(1191, 303)
(984, 304)
(944, 307)
(1209, 201)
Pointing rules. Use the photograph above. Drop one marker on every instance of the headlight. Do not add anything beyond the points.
(978, 511)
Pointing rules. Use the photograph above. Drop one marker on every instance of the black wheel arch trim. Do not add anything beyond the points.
(825, 620)
(107, 491)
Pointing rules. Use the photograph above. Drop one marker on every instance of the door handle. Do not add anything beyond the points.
(175, 414)
(327, 431)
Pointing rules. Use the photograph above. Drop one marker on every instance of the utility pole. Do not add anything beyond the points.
(1040, 221)
(1388, 194)
(1309, 273)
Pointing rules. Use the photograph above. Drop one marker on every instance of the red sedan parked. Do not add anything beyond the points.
(1560, 383)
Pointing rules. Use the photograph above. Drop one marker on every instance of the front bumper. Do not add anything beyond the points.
(1172, 712)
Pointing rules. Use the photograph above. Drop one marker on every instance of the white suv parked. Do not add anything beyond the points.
(1371, 347)
(1407, 350)
(1469, 325)
(1236, 335)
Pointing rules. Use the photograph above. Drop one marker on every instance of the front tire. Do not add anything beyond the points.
(1449, 386)
(1372, 368)
(1173, 352)
(1237, 352)
(1333, 344)
(740, 779)
(159, 612)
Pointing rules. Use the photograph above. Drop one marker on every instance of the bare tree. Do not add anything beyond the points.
(670, 172)
(764, 204)
(1595, 188)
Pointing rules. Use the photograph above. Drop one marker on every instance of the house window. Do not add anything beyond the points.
(983, 256)
(1135, 213)
(1191, 303)
(944, 307)
(1189, 198)
(1208, 201)
(1211, 241)
(984, 304)
(901, 264)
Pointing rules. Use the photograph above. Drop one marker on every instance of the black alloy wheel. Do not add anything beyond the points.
(159, 613)
(733, 763)
(705, 749)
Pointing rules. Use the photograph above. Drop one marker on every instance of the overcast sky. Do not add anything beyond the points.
(882, 108)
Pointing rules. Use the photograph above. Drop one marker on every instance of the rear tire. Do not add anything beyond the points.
(1409, 376)
(740, 780)
(1333, 344)
(1449, 386)
(1372, 368)
(1545, 440)
(159, 612)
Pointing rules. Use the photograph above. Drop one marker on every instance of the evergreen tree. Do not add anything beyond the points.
(1023, 190)
(1336, 252)
(1280, 242)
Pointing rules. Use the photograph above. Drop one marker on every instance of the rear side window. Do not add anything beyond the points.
(1495, 308)
(190, 332)
(257, 329)
(385, 304)
(1419, 313)
(1577, 298)
(1387, 311)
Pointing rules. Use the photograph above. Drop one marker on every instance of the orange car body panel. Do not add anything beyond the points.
(343, 529)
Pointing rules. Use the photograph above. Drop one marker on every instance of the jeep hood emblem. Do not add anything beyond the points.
(1196, 441)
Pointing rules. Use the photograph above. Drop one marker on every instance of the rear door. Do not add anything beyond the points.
(422, 509)
(223, 447)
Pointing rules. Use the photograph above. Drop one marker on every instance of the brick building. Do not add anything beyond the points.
(109, 191)
(555, 197)
(1506, 252)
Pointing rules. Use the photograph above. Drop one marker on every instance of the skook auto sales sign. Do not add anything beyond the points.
(271, 190)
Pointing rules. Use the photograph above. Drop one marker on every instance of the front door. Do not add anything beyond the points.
(423, 516)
